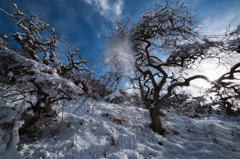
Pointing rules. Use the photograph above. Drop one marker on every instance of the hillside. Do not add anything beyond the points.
(90, 129)
(124, 85)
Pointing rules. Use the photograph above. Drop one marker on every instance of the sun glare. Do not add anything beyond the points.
(212, 72)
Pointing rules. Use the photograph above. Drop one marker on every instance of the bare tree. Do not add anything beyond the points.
(158, 49)
(37, 37)
(32, 82)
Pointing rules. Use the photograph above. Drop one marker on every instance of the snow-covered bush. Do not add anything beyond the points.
(9, 125)
(115, 97)
(92, 87)
(33, 85)
(226, 95)
(30, 90)
(36, 37)
(134, 99)
(185, 105)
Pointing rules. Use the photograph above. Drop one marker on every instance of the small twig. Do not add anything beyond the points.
(214, 137)
(205, 130)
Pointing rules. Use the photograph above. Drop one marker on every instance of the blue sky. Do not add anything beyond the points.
(86, 22)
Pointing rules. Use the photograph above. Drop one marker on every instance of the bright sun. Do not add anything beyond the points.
(212, 72)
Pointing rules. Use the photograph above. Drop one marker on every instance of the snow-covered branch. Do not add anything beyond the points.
(40, 81)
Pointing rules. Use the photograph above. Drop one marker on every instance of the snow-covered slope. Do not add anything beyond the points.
(89, 129)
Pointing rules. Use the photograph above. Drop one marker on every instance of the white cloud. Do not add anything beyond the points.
(118, 7)
(217, 15)
(107, 9)
(218, 24)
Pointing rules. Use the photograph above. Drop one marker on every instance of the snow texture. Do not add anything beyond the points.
(113, 96)
(103, 130)
(9, 126)
(39, 73)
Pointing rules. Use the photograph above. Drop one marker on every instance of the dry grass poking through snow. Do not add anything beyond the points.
(103, 130)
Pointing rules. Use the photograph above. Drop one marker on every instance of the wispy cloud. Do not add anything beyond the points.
(107, 9)
(219, 24)
(217, 15)
(118, 7)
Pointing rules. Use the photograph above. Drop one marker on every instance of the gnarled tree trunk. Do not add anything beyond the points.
(156, 122)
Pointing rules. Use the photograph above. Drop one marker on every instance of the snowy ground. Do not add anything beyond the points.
(103, 130)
